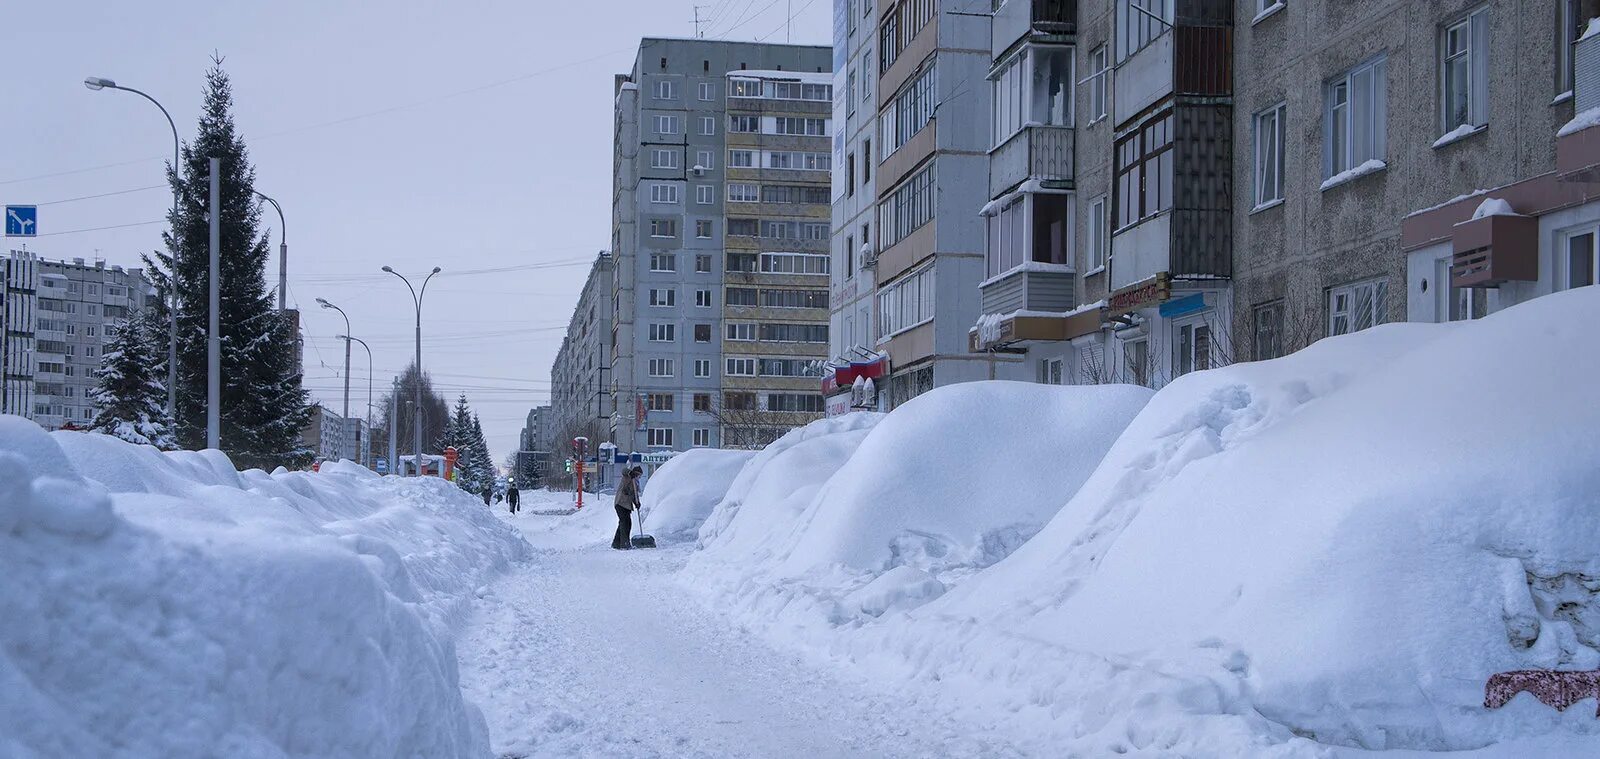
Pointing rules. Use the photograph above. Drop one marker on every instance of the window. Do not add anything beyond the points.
(735, 401)
(702, 298)
(703, 160)
(705, 91)
(1099, 83)
(795, 403)
(1034, 87)
(663, 297)
(1139, 22)
(743, 227)
(906, 303)
(1191, 348)
(802, 161)
(1355, 118)
(850, 175)
(739, 192)
(780, 230)
(1464, 72)
(663, 262)
(789, 367)
(663, 159)
(1575, 15)
(702, 263)
(1050, 372)
(1355, 307)
(666, 125)
(794, 333)
(1269, 155)
(659, 401)
(784, 298)
(1096, 233)
(741, 262)
(1268, 318)
(850, 93)
(1136, 361)
(1008, 235)
(663, 227)
(744, 88)
(705, 194)
(1581, 261)
(702, 437)
(906, 209)
(663, 193)
(666, 89)
(702, 402)
(742, 331)
(741, 296)
(659, 437)
(708, 125)
(794, 263)
(702, 229)
(702, 367)
(900, 25)
(910, 111)
(1144, 171)
(663, 333)
(744, 123)
(866, 160)
(702, 333)
(741, 159)
(801, 126)
(791, 193)
(660, 367)
(741, 367)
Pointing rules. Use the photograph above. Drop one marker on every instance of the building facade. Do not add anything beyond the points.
(578, 400)
(672, 175)
(325, 435)
(19, 302)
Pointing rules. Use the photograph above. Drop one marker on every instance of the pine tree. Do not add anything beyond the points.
(458, 435)
(130, 391)
(264, 406)
(482, 462)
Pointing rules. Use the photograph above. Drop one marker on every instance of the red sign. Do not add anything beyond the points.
(1140, 295)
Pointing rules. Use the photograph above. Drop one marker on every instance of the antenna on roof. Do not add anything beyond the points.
(697, 33)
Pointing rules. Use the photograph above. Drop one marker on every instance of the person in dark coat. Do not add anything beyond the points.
(627, 502)
(512, 497)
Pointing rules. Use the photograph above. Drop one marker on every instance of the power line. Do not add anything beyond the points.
(786, 22)
(102, 195)
(101, 229)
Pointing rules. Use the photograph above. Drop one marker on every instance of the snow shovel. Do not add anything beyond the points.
(642, 540)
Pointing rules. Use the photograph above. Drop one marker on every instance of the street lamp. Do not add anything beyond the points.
(97, 83)
(346, 316)
(347, 340)
(416, 416)
(283, 251)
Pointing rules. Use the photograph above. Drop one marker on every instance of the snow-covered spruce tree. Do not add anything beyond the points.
(264, 406)
(458, 435)
(130, 389)
(482, 462)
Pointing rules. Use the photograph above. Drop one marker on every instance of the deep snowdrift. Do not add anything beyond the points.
(1333, 549)
(860, 517)
(167, 605)
(682, 493)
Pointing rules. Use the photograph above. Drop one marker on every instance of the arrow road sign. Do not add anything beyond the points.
(22, 221)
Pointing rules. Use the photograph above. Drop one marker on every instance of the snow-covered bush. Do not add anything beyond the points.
(166, 605)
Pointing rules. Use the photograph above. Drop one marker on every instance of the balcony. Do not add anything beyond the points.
(1493, 250)
(1030, 287)
(1036, 152)
(1015, 20)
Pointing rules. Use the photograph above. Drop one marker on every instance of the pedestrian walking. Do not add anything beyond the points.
(513, 498)
(487, 493)
(627, 502)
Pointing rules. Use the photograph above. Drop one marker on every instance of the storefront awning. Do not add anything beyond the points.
(999, 332)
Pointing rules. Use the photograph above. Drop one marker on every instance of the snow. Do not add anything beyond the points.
(1320, 555)
(810, 77)
(1459, 133)
(169, 605)
(1493, 207)
(1371, 166)
(1029, 267)
(684, 490)
(1592, 30)
(1580, 122)
(1456, 199)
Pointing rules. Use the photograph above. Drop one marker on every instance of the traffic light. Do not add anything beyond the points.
(569, 466)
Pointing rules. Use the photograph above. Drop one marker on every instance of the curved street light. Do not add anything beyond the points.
(326, 304)
(97, 83)
(283, 250)
(367, 445)
(416, 414)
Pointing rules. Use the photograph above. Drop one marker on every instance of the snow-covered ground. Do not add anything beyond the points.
(167, 605)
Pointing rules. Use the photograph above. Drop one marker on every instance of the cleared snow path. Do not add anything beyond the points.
(594, 652)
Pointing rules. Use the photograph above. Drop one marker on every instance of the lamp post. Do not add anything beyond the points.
(416, 416)
(97, 83)
(283, 251)
(346, 316)
(347, 339)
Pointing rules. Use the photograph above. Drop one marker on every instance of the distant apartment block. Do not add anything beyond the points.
(579, 401)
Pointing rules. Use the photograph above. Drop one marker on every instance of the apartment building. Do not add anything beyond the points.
(326, 435)
(79, 305)
(776, 268)
(672, 163)
(852, 339)
(19, 300)
(578, 399)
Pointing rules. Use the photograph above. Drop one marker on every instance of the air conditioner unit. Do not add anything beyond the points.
(869, 257)
(699, 170)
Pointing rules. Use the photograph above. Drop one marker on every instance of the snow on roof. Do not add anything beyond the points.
(1494, 207)
(1581, 122)
(630, 86)
(1437, 206)
(1593, 29)
(812, 77)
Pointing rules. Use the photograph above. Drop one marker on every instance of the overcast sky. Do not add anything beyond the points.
(470, 135)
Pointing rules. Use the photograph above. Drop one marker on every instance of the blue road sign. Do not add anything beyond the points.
(382, 466)
(22, 221)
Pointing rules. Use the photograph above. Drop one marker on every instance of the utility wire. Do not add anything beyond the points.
(103, 195)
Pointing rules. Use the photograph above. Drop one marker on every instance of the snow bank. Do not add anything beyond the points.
(683, 491)
(168, 605)
(950, 483)
(549, 523)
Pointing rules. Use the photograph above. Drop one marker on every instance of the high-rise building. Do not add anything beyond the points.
(696, 120)
(19, 300)
(578, 400)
